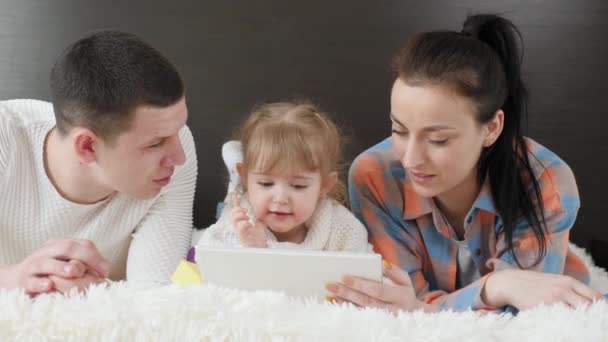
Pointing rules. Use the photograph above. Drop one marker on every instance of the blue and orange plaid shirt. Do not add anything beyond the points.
(409, 230)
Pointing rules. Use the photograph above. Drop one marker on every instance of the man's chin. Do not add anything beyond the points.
(142, 196)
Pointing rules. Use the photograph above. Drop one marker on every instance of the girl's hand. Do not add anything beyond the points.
(395, 294)
(248, 234)
(526, 289)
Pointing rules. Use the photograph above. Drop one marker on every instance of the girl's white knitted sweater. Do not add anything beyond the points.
(332, 227)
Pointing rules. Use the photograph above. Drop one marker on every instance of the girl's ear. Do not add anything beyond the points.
(329, 182)
(242, 170)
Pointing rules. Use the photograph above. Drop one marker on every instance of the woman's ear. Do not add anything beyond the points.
(494, 128)
(329, 182)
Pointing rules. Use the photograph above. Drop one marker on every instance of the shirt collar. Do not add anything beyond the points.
(415, 205)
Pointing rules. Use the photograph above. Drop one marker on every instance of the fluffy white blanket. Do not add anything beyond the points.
(130, 312)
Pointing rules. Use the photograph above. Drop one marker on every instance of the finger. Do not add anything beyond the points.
(388, 281)
(50, 266)
(396, 274)
(36, 285)
(372, 288)
(587, 291)
(346, 293)
(242, 227)
(80, 268)
(240, 215)
(236, 201)
(82, 250)
(66, 285)
(575, 300)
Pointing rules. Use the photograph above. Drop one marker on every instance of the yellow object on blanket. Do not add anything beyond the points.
(186, 273)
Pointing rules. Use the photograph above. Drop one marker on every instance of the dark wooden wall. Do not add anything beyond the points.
(234, 54)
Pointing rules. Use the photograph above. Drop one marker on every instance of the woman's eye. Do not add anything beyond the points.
(439, 141)
(398, 132)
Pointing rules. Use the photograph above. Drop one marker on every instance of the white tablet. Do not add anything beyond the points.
(301, 273)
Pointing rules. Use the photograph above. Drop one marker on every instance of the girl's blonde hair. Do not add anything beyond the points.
(292, 136)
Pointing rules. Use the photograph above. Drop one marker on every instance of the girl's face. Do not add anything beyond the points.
(284, 200)
(437, 138)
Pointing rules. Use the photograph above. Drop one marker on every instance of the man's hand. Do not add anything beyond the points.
(58, 265)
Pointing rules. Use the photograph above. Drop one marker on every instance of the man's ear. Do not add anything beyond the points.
(329, 182)
(85, 145)
(494, 128)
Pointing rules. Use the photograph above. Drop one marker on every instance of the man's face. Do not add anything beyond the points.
(141, 160)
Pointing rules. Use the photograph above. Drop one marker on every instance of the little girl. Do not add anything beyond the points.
(289, 193)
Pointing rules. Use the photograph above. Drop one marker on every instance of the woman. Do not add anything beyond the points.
(475, 213)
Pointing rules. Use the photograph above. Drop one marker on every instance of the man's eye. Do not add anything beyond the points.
(157, 144)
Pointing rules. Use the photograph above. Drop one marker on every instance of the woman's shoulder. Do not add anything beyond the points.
(555, 178)
(541, 157)
(377, 162)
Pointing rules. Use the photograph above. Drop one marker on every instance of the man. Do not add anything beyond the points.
(105, 186)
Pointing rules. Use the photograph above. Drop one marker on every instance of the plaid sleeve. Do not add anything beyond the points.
(561, 203)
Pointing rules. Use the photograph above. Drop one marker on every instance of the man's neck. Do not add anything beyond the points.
(72, 179)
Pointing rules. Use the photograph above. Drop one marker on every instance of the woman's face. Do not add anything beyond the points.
(437, 138)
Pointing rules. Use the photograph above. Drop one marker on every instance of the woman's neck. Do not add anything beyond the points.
(456, 203)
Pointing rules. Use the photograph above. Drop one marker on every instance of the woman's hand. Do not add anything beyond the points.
(526, 289)
(396, 293)
(250, 235)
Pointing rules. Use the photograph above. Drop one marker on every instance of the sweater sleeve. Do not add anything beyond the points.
(219, 234)
(163, 236)
(5, 135)
(349, 233)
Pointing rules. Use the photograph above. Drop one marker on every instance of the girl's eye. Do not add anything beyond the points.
(300, 186)
(265, 184)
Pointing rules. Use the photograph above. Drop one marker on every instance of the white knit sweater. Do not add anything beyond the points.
(332, 227)
(143, 239)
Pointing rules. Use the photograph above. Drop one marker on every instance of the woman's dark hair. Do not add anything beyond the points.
(482, 63)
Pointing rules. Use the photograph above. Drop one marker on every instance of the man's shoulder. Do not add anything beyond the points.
(22, 122)
(23, 112)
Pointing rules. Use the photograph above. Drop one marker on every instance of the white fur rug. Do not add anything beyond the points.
(128, 312)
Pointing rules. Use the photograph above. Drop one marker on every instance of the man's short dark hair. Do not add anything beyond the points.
(99, 81)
